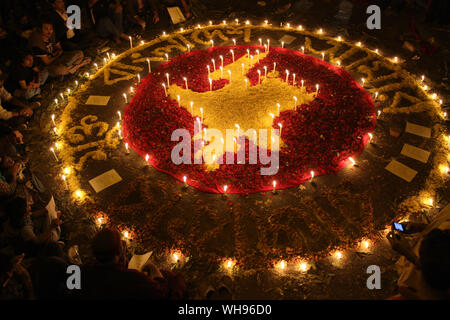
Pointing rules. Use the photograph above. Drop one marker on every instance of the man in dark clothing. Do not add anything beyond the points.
(70, 39)
(140, 12)
(107, 16)
(108, 277)
(26, 79)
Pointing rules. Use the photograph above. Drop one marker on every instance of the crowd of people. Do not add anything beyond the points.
(38, 48)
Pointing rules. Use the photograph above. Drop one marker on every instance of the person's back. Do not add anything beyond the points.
(114, 281)
(108, 278)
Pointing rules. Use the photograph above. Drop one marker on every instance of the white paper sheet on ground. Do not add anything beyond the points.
(415, 153)
(51, 208)
(98, 100)
(176, 15)
(400, 170)
(287, 39)
(105, 180)
(418, 130)
(138, 261)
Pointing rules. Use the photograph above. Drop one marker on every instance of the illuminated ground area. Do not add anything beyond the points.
(257, 231)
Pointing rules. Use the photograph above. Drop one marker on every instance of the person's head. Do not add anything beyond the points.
(17, 210)
(434, 257)
(47, 29)
(27, 60)
(6, 161)
(58, 5)
(3, 77)
(107, 246)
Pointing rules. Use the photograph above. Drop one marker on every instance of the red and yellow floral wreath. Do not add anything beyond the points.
(318, 137)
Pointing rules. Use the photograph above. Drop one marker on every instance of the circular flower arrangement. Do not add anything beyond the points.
(322, 113)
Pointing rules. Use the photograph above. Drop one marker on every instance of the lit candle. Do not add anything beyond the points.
(210, 84)
(282, 44)
(131, 42)
(212, 43)
(131, 89)
(214, 64)
(317, 88)
(395, 59)
(323, 56)
(293, 80)
(56, 101)
(359, 44)
(274, 66)
(303, 49)
(188, 47)
(265, 48)
(339, 63)
(238, 128)
(201, 115)
(55, 130)
(295, 103)
(312, 175)
(105, 61)
(234, 41)
(185, 181)
(178, 98)
(268, 44)
(127, 148)
(125, 97)
(302, 82)
(265, 71)
(339, 38)
(54, 154)
(221, 61)
(96, 66)
(281, 128)
(287, 76)
(260, 41)
(423, 78)
(376, 95)
(246, 83)
(274, 183)
(65, 181)
(149, 67)
(370, 137)
(185, 82)
(352, 161)
(142, 42)
(229, 73)
(225, 188)
(168, 81)
(53, 119)
(278, 108)
(232, 54)
(109, 58)
(209, 71)
(165, 90)
(243, 68)
(259, 76)
(139, 78)
(147, 157)
(167, 56)
(120, 115)
(363, 81)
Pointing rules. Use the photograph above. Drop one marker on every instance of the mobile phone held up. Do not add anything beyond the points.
(399, 227)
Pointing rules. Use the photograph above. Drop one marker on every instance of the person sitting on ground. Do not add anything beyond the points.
(59, 63)
(109, 278)
(15, 281)
(140, 12)
(424, 265)
(48, 272)
(8, 187)
(26, 231)
(20, 110)
(161, 16)
(107, 16)
(26, 79)
(10, 141)
(70, 39)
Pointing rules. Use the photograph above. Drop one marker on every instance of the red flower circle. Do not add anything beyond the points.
(319, 136)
